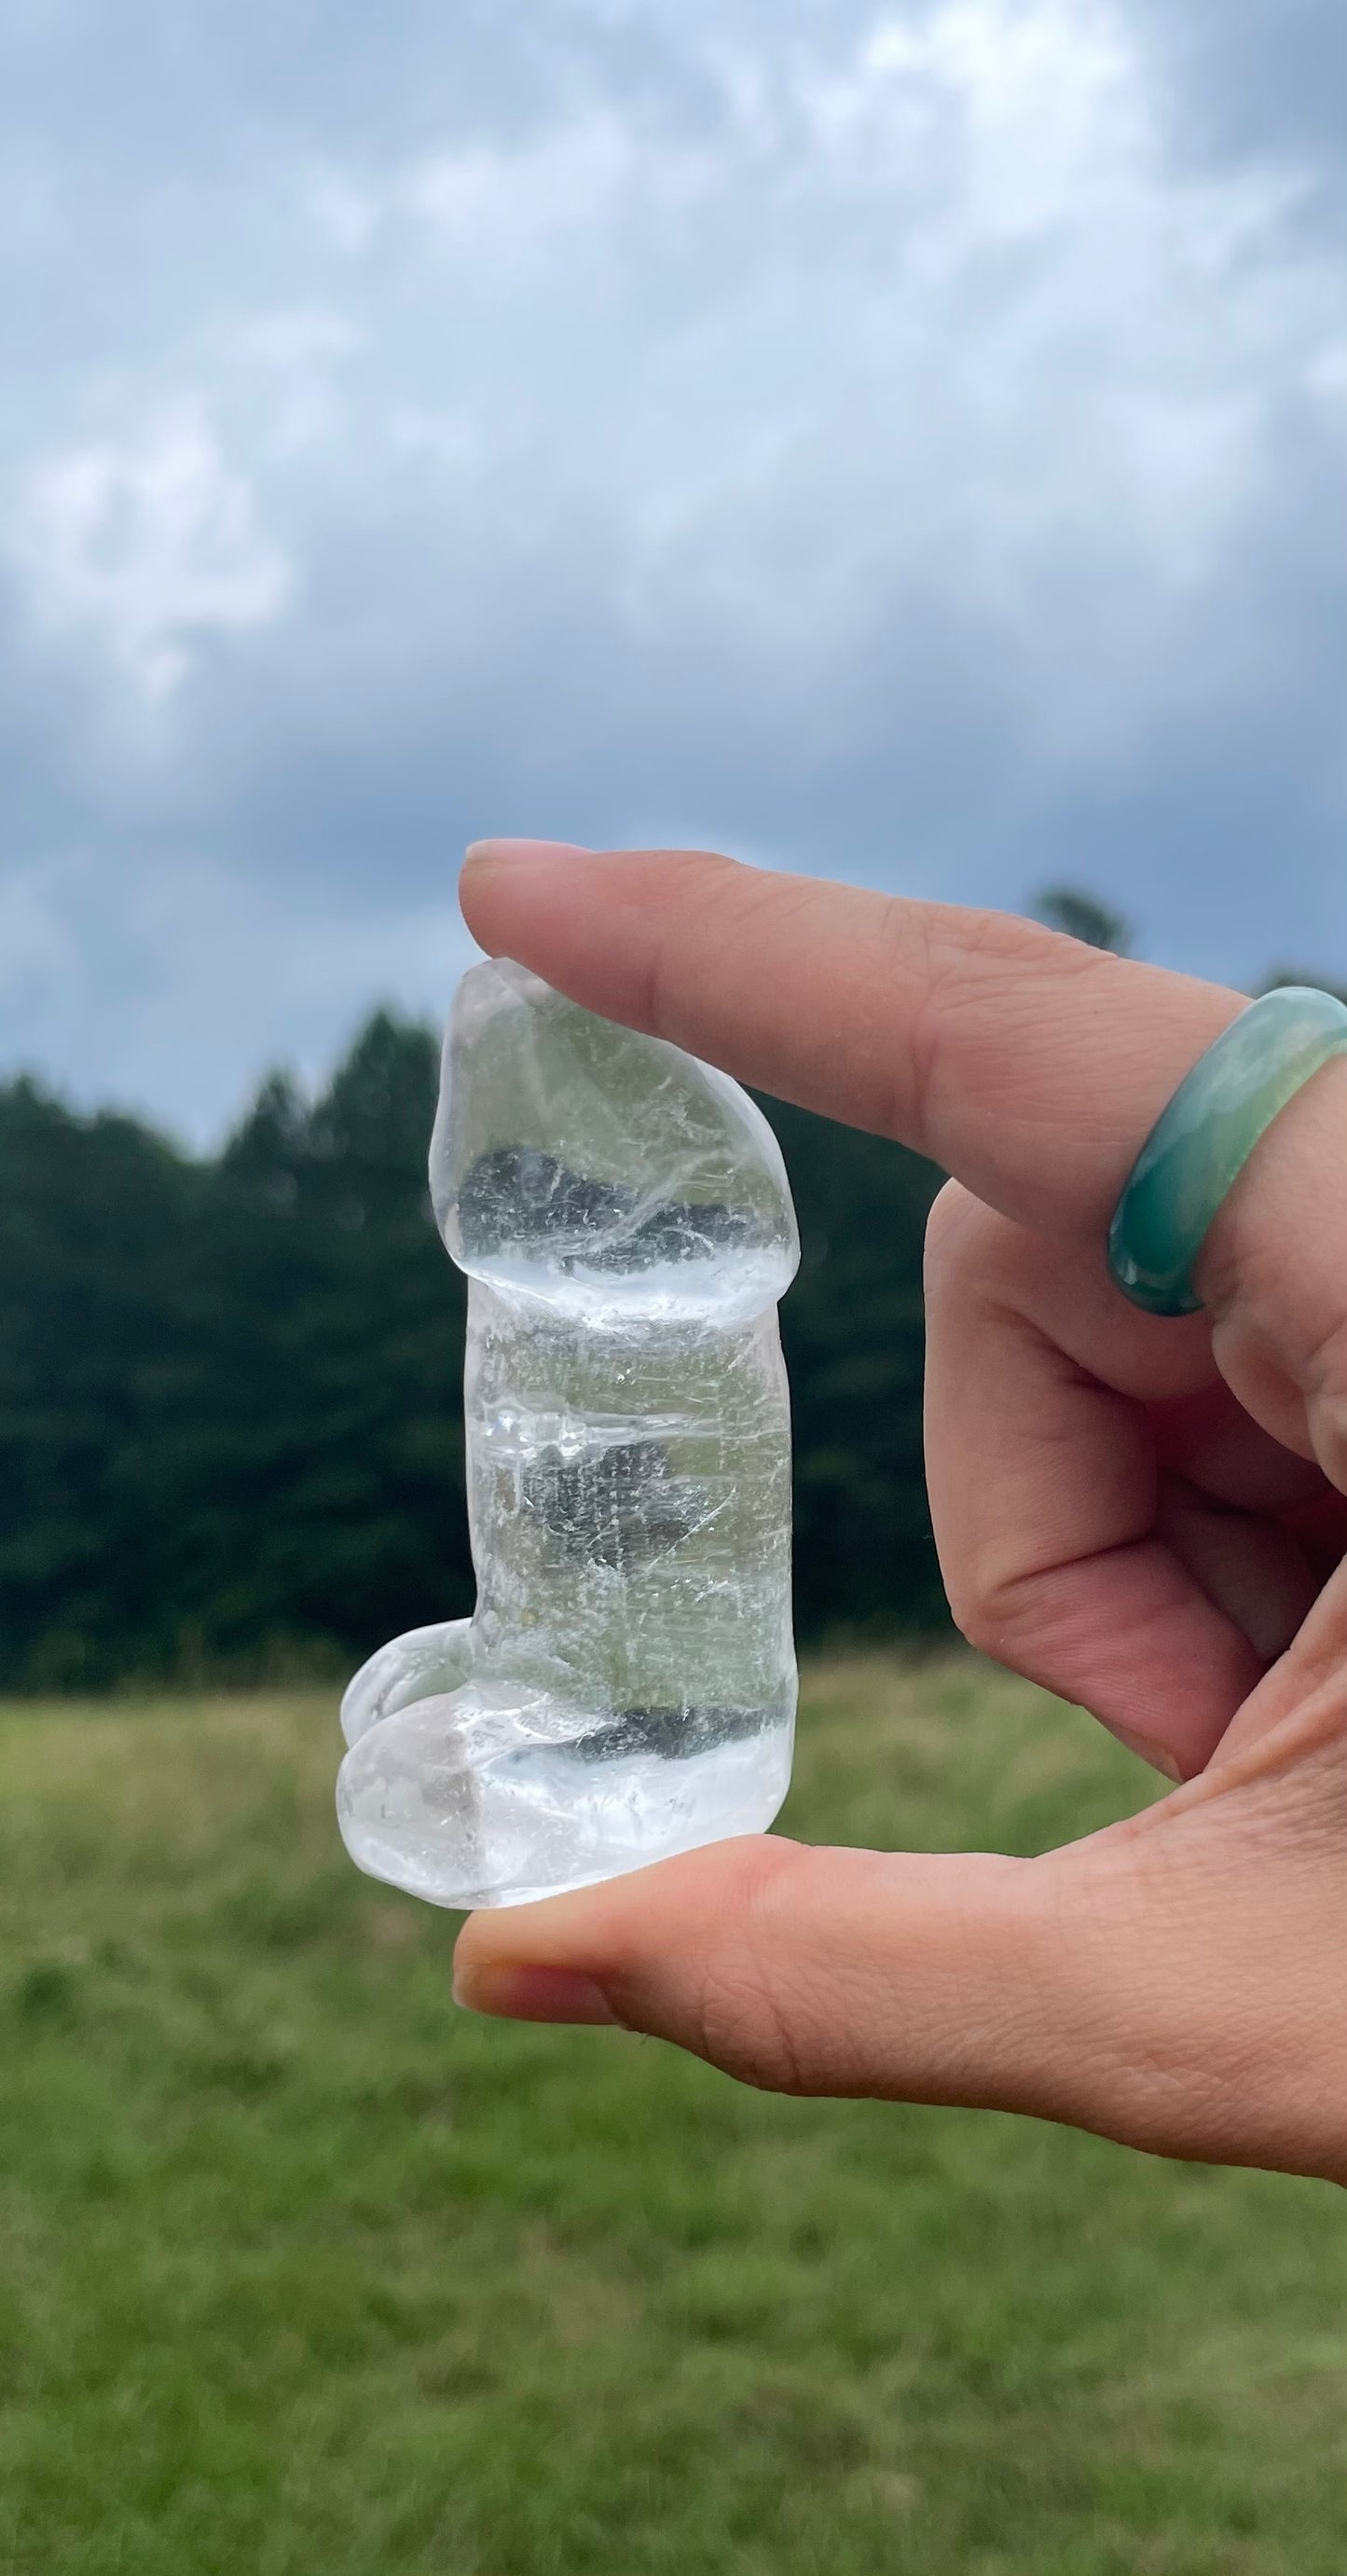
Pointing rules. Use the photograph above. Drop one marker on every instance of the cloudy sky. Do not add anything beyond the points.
(902, 441)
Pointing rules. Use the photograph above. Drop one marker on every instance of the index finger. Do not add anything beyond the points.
(1027, 1065)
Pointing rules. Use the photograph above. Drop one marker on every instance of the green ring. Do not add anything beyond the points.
(1200, 1144)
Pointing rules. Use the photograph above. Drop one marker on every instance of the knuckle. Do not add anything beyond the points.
(951, 1213)
(747, 2006)
(1326, 1402)
(973, 1253)
(743, 2029)
(993, 1611)
(963, 974)
(697, 882)
(961, 1235)
(977, 1617)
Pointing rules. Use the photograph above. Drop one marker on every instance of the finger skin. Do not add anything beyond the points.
(1068, 1552)
(1030, 1066)
(1273, 1277)
(802, 1970)
(1174, 1983)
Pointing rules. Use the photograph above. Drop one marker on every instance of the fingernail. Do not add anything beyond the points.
(1158, 1755)
(533, 1994)
(513, 854)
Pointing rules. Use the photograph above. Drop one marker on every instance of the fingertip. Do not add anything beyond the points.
(1147, 1749)
(514, 1993)
(491, 854)
(506, 888)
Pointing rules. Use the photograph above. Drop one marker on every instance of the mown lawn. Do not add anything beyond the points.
(305, 2274)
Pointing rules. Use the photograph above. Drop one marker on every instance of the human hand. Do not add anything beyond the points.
(1145, 1515)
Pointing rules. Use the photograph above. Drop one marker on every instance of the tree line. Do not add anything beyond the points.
(230, 1387)
(231, 1436)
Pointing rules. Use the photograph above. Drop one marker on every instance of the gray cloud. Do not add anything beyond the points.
(903, 442)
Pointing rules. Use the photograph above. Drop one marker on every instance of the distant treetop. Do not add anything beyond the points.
(1283, 975)
(1082, 916)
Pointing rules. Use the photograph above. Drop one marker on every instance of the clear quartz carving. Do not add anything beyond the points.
(625, 1688)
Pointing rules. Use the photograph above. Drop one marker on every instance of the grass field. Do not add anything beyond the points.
(305, 2274)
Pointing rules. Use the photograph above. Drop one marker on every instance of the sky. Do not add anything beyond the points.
(900, 442)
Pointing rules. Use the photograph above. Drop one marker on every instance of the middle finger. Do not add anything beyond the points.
(1069, 1550)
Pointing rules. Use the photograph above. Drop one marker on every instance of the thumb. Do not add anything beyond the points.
(1171, 1982)
(924, 1977)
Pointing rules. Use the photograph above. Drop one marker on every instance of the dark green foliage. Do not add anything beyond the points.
(97, 1220)
(230, 1409)
(1283, 975)
(852, 1328)
(230, 1429)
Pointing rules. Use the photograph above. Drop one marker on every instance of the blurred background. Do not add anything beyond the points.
(903, 442)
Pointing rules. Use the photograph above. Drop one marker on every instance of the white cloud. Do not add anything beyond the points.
(928, 312)
(1045, 98)
(1326, 374)
(150, 545)
(345, 215)
(482, 199)
(939, 316)
(875, 434)
(278, 371)
(38, 951)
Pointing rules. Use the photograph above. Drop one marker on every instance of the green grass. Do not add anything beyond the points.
(305, 2274)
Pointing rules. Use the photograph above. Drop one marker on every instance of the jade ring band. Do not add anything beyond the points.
(1200, 1144)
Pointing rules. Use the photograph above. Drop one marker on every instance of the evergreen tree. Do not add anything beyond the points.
(1284, 975)
(230, 1390)
(1082, 916)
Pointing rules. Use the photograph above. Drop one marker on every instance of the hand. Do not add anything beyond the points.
(1146, 1516)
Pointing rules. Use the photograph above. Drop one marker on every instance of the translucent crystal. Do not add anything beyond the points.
(626, 1686)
